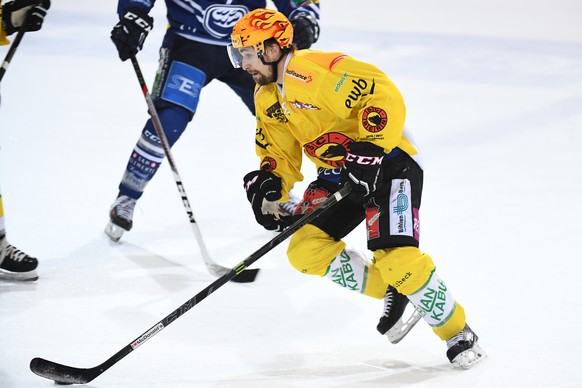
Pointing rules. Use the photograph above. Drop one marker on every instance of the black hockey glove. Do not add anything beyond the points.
(130, 33)
(14, 13)
(305, 30)
(363, 169)
(263, 190)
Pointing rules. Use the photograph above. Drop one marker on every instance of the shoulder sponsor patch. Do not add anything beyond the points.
(340, 83)
(307, 78)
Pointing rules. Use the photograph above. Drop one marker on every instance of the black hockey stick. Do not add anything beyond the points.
(11, 52)
(13, 47)
(215, 269)
(63, 374)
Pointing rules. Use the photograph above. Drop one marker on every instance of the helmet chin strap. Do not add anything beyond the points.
(275, 63)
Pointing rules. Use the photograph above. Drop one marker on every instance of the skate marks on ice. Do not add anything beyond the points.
(371, 373)
(401, 372)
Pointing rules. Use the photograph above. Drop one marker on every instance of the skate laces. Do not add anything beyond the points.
(14, 253)
(124, 206)
(464, 335)
(388, 302)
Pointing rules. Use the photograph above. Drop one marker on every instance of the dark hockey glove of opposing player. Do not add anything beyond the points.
(14, 15)
(363, 169)
(130, 33)
(305, 30)
(263, 191)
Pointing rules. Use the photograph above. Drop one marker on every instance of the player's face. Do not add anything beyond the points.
(261, 73)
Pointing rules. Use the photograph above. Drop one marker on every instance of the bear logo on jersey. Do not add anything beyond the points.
(374, 119)
(330, 148)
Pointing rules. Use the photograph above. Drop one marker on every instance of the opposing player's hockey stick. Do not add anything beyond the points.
(63, 374)
(246, 276)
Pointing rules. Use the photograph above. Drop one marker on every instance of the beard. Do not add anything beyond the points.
(264, 79)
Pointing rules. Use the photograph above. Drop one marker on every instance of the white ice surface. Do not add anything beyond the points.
(494, 96)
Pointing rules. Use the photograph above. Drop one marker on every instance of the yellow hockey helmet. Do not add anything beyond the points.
(259, 25)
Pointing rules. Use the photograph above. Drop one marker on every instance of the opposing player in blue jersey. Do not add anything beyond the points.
(192, 54)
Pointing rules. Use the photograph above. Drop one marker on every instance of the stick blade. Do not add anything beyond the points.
(246, 276)
(62, 374)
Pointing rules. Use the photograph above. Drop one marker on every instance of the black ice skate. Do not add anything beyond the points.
(464, 351)
(391, 323)
(120, 217)
(16, 265)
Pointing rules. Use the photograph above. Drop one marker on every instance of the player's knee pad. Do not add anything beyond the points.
(405, 268)
(311, 250)
(413, 274)
(436, 304)
(182, 85)
(351, 270)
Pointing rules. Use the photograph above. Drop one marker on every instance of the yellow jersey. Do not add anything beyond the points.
(327, 100)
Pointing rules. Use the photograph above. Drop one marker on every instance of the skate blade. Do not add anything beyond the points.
(401, 328)
(29, 276)
(113, 231)
(470, 357)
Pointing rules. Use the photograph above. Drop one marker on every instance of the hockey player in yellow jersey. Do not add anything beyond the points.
(347, 117)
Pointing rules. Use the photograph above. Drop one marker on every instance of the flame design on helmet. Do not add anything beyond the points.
(253, 29)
